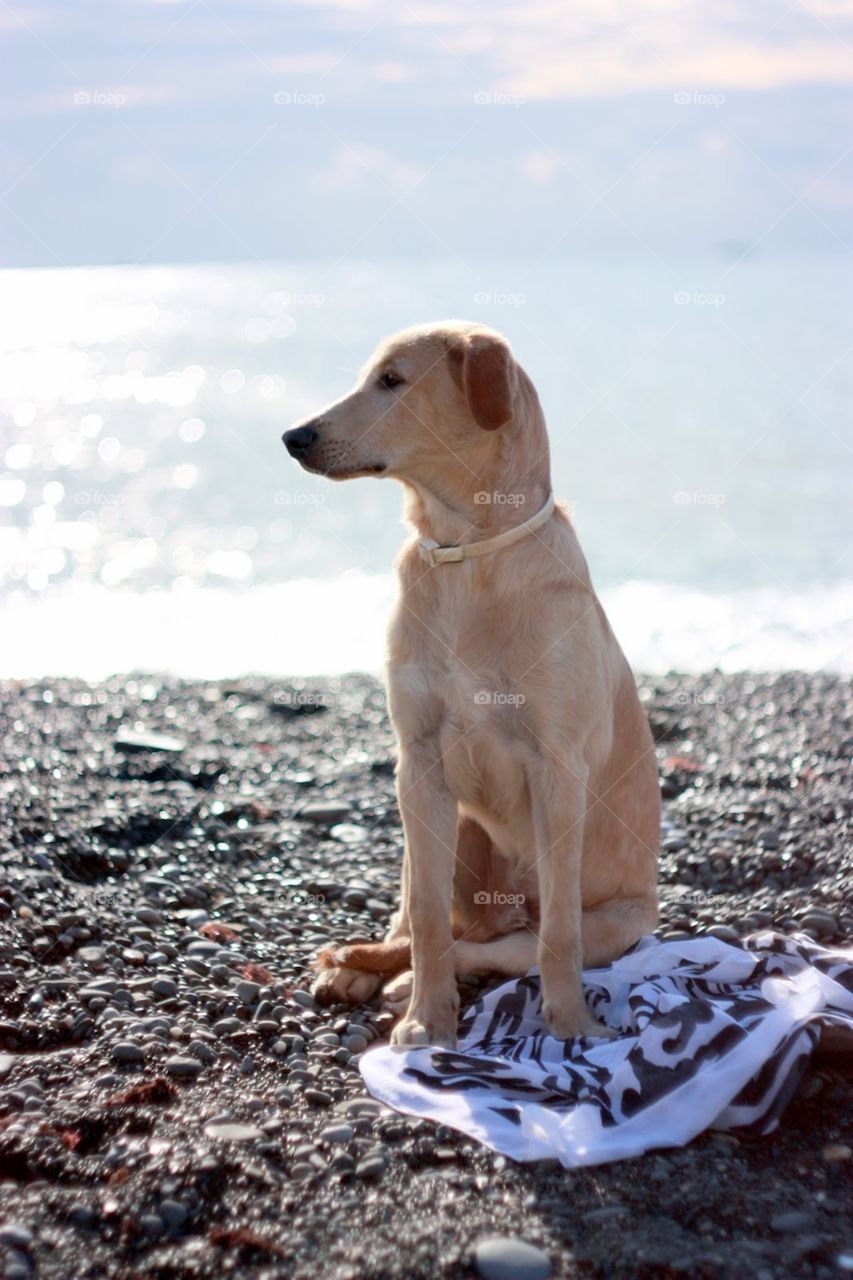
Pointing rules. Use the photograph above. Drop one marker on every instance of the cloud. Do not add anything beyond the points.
(354, 161)
(541, 167)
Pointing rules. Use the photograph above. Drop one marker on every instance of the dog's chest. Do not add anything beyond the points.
(483, 742)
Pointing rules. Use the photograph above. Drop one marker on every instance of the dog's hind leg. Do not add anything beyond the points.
(607, 931)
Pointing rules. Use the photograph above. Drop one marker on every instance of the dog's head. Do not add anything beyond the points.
(430, 397)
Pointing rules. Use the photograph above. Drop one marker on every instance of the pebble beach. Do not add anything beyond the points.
(173, 1102)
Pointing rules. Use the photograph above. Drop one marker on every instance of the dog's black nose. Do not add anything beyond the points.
(299, 440)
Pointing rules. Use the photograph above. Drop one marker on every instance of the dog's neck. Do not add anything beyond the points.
(452, 519)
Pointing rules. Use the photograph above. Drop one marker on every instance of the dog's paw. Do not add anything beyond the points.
(565, 1024)
(421, 1026)
(397, 993)
(339, 985)
(410, 1032)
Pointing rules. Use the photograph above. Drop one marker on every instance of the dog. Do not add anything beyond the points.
(527, 778)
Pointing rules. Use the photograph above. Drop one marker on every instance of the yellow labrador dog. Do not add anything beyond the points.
(527, 777)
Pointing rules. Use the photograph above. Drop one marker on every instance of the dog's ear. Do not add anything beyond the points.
(488, 376)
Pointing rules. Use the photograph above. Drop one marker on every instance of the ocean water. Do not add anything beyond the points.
(700, 423)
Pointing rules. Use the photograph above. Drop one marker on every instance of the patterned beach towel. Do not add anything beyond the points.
(712, 1035)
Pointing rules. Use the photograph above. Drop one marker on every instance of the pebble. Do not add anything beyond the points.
(607, 1213)
(790, 1223)
(127, 1051)
(349, 833)
(248, 992)
(130, 740)
(318, 1097)
(372, 1167)
(337, 1133)
(504, 1258)
(199, 1049)
(723, 932)
(179, 1065)
(173, 1213)
(836, 1153)
(324, 811)
(231, 1131)
(164, 987)
(16, 1235)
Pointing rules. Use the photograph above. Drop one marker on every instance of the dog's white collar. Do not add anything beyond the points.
(436, 555)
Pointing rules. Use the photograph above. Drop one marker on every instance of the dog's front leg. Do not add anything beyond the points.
(559, 798)
(429, 826)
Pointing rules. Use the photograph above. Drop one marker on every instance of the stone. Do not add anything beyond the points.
(164, 987)
(231, 1131)
(337, 1133)
(127, 1051)
(16, 1236)
(326, 812)
(248, 992)
(504, 1258)
(130, 740)
(791, 1223)
(179, 1065)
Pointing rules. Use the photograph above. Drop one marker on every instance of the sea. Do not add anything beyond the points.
(701, 425)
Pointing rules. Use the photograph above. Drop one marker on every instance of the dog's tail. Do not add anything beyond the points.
(387, 958)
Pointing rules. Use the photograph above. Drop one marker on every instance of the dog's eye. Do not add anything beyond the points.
(389, 381)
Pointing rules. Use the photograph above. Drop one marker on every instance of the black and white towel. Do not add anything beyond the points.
(711, 1035)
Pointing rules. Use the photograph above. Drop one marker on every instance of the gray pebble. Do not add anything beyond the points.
(372, 1167)
(164, 987)
(179, 1065)
(327, 812)
(792, 1222)
(337, 1133)
(173, 1213)
(230, 1131)
(503, 1258)
(16, 1235)
(202, 1051)
(127, 1051)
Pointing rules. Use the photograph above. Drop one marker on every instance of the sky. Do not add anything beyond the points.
(194, 130)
